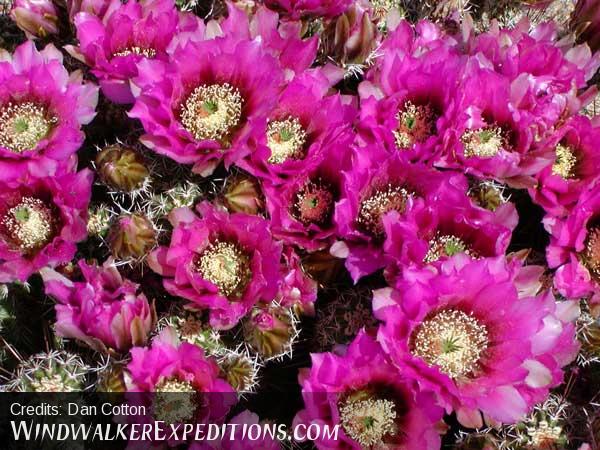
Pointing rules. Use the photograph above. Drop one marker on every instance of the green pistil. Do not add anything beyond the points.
(285, 134)
(21, 214)
(210, 107)
(21, 125)
(454, 247)
(369, 422)
(450, 345)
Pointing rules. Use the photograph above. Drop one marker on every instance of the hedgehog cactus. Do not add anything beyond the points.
(56, 371)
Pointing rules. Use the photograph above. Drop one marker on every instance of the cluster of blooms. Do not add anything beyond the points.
(270, 143)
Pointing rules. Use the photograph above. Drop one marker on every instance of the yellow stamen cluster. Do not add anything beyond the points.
(286, 139)
(443, 245)
(415, 124)
(451, 340)
(591, 253)
(564, 165)
(368, 421)
(24, 125)
(227, 266)
(30, 224)
(139, 51)
(175, 401)
(483, 142)
(212, 111)
(374, 208)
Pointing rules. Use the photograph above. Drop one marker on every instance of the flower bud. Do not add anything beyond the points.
(37, 18)
(121, 168)
(243, 194)
(351, 38)
(95, 7)
(271, 331)
(585, 22)
(240, 370)
(132, 236)
(488, 195)
(111, 379)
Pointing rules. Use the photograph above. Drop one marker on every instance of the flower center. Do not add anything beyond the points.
(24, 125)
(564, 165)
(135, 50)
(174, 401)
(368, 421)
(591, 253)
(314, 203)
(30, 225)
(375, 207)
(415, 124)
(226, 266)
(451, 340)
(286, 139)
(212, 111)
(445, 246)
(483, 142)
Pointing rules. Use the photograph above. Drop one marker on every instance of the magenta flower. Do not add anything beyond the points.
(41, 220)
(283, 40)
(302, 210)
(298, 131)
(95, 7)
(42, 108)
(183, 383)
(208, 101)
(547, 77)
(575, 248)
(173, 366)
(296, 288)
(105, 311)
(37, 18)
(300, 9)
(378, 186)
(376, 406)
(176, 383)
(575, 167)
(416, 40)
(408, 103)
(450, 227)
(352, 38)
(127, 33)
(479, 334)
(490, 137)
(222, 262)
